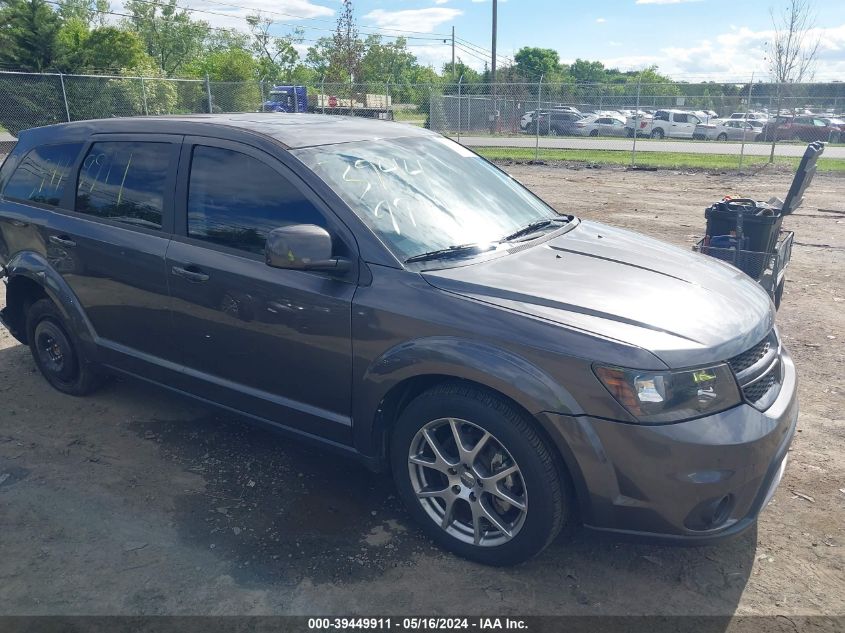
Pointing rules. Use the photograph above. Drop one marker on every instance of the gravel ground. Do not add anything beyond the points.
(135, 501)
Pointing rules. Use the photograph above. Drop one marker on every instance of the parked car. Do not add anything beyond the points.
(527, 119)
(803, 128)
(750, 116)
(599, 126)
(729, 130)
(665, 123)
(558, 123)
(386, 293)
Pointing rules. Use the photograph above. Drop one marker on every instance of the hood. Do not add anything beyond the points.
(685, 308)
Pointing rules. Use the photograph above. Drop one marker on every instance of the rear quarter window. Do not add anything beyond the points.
(42, 175)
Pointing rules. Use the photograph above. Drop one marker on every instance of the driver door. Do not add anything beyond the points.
(268, 342)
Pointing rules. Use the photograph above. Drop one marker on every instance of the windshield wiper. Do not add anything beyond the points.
(533, 228)
(452, 251)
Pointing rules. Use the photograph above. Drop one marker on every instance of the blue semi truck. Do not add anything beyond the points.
(298, 99)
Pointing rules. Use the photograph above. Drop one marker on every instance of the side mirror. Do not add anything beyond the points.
(302, 247)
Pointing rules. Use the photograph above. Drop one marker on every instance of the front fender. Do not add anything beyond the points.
(36, 268)
(496, 368)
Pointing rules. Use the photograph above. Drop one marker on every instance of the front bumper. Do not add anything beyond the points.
(695, 481)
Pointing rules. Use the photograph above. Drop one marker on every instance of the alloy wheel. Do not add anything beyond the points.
(467, 482)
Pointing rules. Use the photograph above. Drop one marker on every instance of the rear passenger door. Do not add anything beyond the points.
(108, 237)
(272, 343)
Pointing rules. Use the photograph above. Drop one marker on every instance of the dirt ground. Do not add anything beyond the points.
(135, 501)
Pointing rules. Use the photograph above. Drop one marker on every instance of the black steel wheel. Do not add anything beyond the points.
(56, 353)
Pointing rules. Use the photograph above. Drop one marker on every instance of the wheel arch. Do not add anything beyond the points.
(405, 371)
(30, 277)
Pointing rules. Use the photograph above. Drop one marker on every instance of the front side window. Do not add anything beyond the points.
(42, 175)
(235, 200)
(125, 181)
(425, 194)
(661, 116)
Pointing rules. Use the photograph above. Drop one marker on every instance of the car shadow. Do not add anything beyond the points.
(280, 516)
(280, 512)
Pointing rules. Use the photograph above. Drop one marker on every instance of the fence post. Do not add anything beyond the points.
(144, 96)
(64, 96)
(323, 92)
(537, 124)
(745, 122)
(261, 92)
(351, 95)
(208, 92)
(430, 111)
(460, 82)
(636, 122)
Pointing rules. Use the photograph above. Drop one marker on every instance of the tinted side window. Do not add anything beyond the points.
(43, 174)
(661, 116)
(235, 200)
(681, 118)
(125, 181)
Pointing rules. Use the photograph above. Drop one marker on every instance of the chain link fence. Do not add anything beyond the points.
(671, 124)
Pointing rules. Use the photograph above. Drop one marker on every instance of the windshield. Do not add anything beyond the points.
(425, 194)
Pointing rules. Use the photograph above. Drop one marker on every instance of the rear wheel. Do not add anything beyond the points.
(476, 476)
(56, 353)
(722, 137)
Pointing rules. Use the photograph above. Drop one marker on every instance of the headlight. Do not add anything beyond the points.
(671, 396)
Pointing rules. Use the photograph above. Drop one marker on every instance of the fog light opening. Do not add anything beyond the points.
(710, 514)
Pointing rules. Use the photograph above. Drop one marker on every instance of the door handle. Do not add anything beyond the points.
(62, 240)
(194, 276)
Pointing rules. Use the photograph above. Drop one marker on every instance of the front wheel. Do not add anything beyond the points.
(722, 137)
(476, 476)
(658, 133)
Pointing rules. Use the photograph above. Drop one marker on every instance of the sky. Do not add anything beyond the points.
(687, 39)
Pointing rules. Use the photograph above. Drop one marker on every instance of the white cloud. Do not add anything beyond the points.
(425, 20)
(600, 20)
(440, 1)
(734, 55)
(289, 12)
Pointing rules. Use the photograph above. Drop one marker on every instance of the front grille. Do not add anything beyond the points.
(757, 391)
(748, 358)
(758, 371)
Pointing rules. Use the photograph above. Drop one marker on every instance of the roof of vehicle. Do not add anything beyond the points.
(292, 130)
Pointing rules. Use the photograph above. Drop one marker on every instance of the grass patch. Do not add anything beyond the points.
(668, 160)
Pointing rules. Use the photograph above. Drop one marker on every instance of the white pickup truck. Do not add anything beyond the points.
(664, 123)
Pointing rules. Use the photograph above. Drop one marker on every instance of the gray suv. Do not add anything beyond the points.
(390, 295)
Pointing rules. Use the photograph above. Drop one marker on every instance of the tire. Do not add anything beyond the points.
(629, 132)
(466, 483)
(658, 133)
(56, 351)
(722, 137)
(836, 137)
(594, 133)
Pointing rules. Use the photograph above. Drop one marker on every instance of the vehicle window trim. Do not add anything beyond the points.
(180, 233)
(175, 140)
(72, 170)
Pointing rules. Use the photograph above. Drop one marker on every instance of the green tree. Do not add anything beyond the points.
(28, 30)
(391, 61)
(106, 48)
(277, 56)
(347, 49)
(89, 12)
(169, 34)
(584, 71)
(532, 63)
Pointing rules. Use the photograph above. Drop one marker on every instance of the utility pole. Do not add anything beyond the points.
(494, 125)
(453, 52)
